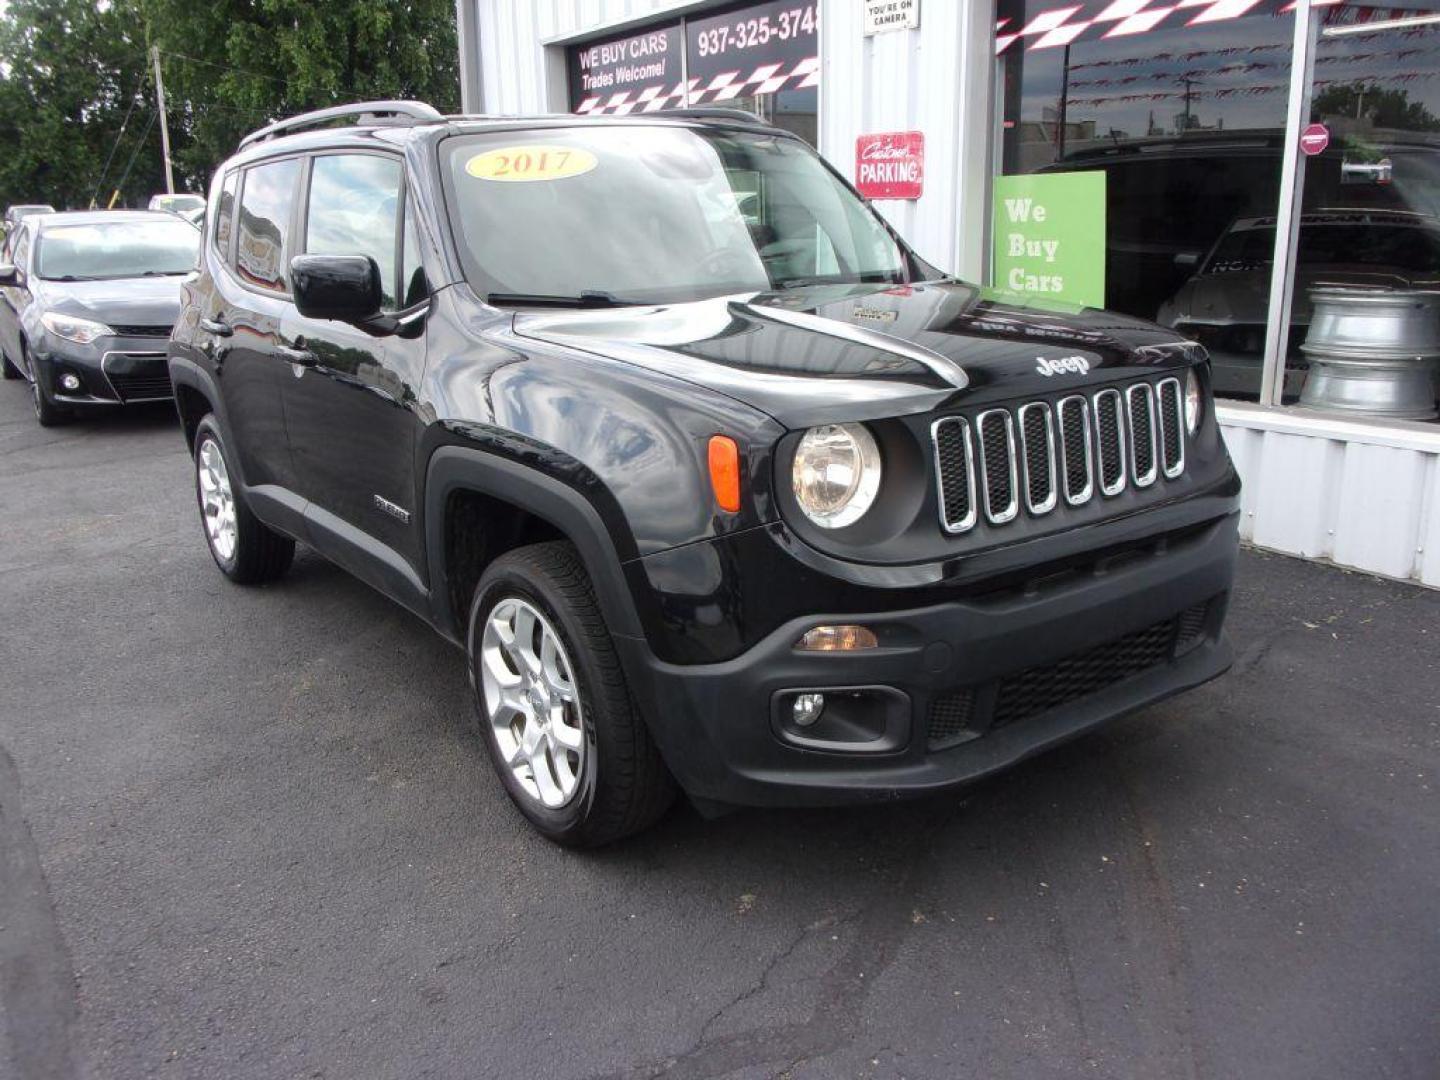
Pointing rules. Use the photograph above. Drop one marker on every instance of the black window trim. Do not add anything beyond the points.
(303, 213)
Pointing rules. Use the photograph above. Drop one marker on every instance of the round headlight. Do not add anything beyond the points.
(1192, 401)
(836, 474)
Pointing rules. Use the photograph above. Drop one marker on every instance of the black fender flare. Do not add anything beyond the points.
(185, 372)
(459, 468)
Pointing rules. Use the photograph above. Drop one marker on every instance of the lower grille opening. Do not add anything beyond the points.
(1039, 689)
(139, 387)
(950, 716)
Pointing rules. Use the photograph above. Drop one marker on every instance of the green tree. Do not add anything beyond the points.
(71, 70)
(238, 64)
(1386, 108)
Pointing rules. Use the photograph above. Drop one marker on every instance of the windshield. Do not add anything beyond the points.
(651, 214)
(116, 250)
(1404, 248)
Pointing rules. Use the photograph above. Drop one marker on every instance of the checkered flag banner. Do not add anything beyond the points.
(1124, 18)
(726, 86)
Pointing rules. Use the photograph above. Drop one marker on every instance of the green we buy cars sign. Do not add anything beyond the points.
(1049, 236)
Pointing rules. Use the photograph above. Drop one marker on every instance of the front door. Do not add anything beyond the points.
(350, 394)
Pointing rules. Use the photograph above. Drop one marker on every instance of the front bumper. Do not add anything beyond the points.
(969, 687)
(110, 371)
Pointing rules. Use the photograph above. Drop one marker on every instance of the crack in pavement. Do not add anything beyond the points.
(37, 981)
(844, 989)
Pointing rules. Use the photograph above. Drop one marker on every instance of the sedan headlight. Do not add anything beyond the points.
(1193, 402)
(80, 331)
(836, 475)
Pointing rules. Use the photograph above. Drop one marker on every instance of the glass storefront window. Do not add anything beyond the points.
(1183, 110)
(1371, 218)
(1185, 118)
(762, 58)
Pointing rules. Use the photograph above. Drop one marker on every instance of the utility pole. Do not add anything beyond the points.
(164, 127)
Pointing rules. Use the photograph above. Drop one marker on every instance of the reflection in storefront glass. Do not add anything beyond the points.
(1184, 110)
(1185, 120)
(1372, 197)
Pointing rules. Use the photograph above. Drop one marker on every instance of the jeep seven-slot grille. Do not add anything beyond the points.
(1039, 453)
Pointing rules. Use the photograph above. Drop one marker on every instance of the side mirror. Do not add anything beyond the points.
(1187, 260)
(9, 276)
(345, 288)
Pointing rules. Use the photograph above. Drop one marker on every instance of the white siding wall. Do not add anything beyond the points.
(1361, 495)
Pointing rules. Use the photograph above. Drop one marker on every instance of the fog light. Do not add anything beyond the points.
(837, 639)
(70, 382)
(807, 709)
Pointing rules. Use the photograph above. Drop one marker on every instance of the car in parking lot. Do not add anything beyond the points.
(726, 492)
(87, 303)
(1225, 304)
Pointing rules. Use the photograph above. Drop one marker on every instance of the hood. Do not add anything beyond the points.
(152, 301)
(836, 353)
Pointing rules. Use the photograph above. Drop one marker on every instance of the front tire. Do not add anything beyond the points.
(554, 708)
(246, 550)
(46, 411)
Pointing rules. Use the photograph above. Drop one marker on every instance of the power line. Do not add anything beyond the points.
(135, 97)
(136, 153)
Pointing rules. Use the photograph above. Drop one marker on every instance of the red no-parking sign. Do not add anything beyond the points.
(1314, 139)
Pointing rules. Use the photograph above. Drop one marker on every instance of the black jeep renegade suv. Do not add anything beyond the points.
(715, 481)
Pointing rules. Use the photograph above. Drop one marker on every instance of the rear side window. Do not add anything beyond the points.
(262, 257)
(225, 217)
(355, 210)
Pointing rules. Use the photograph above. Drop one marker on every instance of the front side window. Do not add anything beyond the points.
(651, 214)
(354, 210)
(109, 250)
(225, 217)
(265, 203)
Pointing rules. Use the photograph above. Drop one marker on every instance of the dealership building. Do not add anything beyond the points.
(1261, 175)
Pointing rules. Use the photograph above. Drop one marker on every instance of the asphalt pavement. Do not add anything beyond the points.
(252, 833)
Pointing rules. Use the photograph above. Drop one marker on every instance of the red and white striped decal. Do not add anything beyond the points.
(726, 86)
(1123, 18)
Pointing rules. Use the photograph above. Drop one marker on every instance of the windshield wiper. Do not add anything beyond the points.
(586, 298)
(165, 273)
(833, 279)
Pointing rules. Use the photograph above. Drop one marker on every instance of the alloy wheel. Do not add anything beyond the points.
(217, 501)
(531, 702)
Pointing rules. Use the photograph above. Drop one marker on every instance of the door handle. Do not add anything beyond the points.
(218, 327)
(300, 357)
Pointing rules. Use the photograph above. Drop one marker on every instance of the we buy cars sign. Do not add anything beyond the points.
(890, 165)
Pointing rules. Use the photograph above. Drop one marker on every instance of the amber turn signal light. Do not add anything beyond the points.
(847, 638)
(725, 472)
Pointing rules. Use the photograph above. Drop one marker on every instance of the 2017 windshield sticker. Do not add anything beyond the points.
(529, 164)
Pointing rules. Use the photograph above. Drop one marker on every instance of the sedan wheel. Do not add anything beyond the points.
(531, 702)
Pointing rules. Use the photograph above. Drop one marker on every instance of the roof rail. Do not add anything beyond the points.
(375, 111)
(714, 114)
